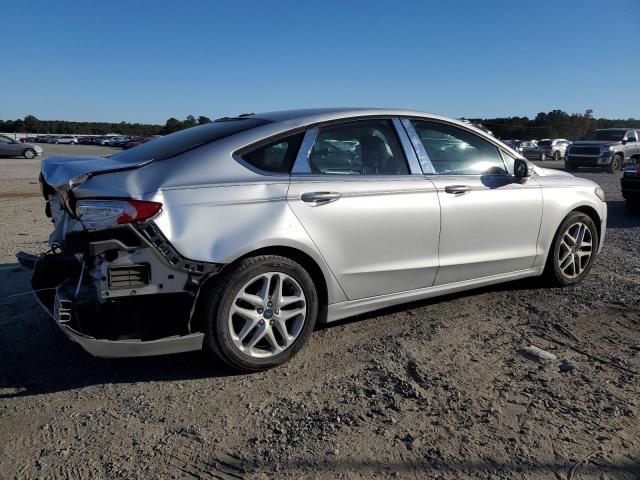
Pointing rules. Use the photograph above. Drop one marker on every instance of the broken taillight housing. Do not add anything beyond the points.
(103, 214)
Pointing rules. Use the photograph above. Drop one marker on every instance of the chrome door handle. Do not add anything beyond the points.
(456, 189)
(320, 198)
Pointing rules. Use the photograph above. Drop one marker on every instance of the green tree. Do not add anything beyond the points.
(202, 120)
(172, 125)
(189, 122)
(31, 124)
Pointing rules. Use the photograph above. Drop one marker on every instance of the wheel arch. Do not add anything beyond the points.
(593, 214)
(582, 207)
(316, 272)
(305, 260)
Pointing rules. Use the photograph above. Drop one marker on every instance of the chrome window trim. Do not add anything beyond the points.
(409, 152)
(420, 151)
(301, 164)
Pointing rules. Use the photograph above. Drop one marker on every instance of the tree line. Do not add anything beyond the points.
(31, 124)
(553, 124)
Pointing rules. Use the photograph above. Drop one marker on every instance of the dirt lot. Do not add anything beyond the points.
(437, 389)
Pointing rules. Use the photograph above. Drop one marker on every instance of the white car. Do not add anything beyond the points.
(68, 139)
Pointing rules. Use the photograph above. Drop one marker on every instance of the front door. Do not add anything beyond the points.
(375, 223)
(490, 219)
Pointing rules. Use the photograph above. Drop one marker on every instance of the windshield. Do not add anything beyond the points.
(184, 140)
(607, 135)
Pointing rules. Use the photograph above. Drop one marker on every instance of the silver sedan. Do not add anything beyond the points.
(241, 235)
(14, 148)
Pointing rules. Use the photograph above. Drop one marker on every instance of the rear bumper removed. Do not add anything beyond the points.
(70, 304)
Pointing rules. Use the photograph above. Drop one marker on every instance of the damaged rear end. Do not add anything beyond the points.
(111, 280)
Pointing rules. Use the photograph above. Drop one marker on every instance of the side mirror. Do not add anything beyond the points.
(521, 168)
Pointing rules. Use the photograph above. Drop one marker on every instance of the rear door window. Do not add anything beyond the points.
(364, 147)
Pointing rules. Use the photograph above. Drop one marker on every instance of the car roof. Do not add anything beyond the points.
(319, 115)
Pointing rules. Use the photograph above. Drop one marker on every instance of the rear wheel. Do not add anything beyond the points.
(616, 163)
(261, 313)
(556, 155)
(29, 153)
(573, 250)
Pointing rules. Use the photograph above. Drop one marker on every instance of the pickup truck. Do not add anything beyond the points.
(606, 148)
(630, 183)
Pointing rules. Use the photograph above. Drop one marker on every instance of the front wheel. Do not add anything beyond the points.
(573, 250)
(29, 153)
(616, 163)
(260, 313)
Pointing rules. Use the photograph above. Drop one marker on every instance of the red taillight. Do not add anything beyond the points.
(140, 211)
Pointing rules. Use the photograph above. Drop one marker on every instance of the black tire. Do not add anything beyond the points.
(29, 153)
(570, 166)
(217, 333)
(616, 163)
(553, 274)
(557, 156)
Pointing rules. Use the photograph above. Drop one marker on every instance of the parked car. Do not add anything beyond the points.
(515, 144)
(12, 148)
(241, 234)
(530, 150)
(121, 142)
(607, 148)
(28, 139)
(106, 140)
(135, 141)
(86, 140)
(553, 148)
(630, 184)
(66, 139)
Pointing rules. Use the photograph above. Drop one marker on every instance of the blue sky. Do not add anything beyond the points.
(145, 61)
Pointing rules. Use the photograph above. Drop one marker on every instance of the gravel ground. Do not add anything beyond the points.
(436, 389)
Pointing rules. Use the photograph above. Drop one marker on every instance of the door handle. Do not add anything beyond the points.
(320, 198)
(457, 189)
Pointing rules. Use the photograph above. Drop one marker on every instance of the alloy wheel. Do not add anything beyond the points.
(267, 315)
(575, 250)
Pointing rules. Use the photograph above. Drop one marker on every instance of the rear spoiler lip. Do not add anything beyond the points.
(87, 176)
(82, 176)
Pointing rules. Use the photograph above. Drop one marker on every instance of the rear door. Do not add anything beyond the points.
(367, 207)
(490, 219)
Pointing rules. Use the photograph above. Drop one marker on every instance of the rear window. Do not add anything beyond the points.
(184, 140)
